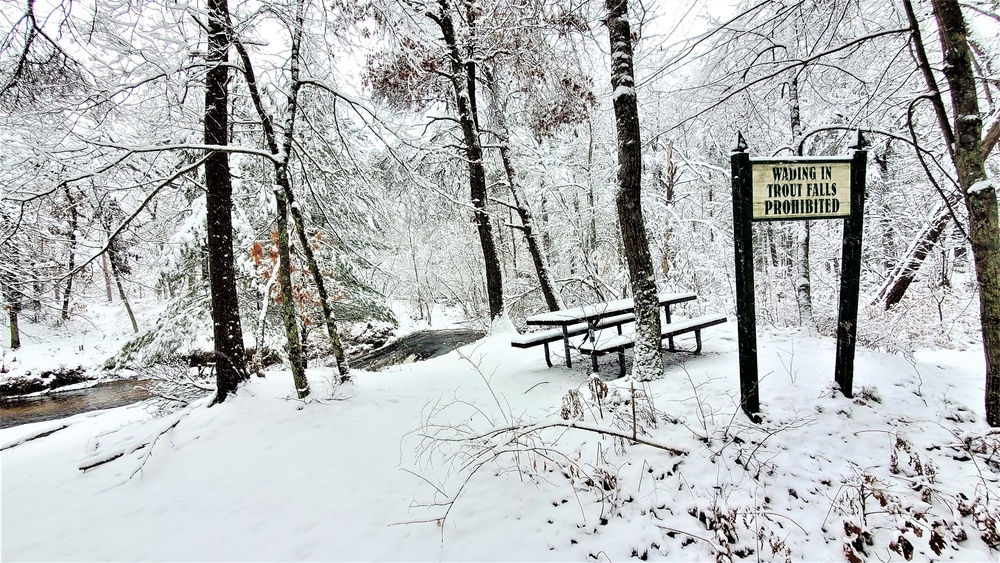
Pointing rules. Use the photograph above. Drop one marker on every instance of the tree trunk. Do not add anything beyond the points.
(329, 319)
(123, 296)
(73, 224)
(11, 296)
(285, 182)
(230, 354)
(902, 275)
(552, 297)
(36, 297)
(15, 332)
(474, 158)
(803, 286)
(803, 283)
(648, 363)
(980, 194)
(591, 243)
(668, 176)
(283, 179)
(932, 86)
(107, 276)
(895, 287)
(288, 300)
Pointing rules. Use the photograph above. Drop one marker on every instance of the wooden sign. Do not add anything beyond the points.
(771, 189)
(800, 188)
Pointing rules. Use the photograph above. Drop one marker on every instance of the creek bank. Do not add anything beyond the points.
(68, 402)
(45, 381)
(19, 406)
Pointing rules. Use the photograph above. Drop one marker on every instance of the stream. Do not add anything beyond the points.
(60, 404)
(14, 411)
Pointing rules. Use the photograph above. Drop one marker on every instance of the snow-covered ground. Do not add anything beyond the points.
(366, 472)
(85, 340)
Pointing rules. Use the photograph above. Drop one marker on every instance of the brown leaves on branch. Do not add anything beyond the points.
(265, 260)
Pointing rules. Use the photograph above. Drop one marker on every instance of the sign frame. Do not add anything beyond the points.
(850, 279)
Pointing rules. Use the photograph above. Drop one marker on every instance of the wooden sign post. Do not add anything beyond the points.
(746, 310)
(790, 189)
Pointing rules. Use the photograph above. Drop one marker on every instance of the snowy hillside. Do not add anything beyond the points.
(467, 457)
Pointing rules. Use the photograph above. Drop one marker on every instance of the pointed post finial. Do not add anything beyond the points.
(741, 143)
(857, 141)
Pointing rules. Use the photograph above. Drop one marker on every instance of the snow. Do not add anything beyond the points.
(623, 91)
(502, 325)
(981, 186)
(355, 473)
(87, 339)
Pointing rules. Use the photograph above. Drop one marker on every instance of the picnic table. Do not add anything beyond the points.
(586, 319)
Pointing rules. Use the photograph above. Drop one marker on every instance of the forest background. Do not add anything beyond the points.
(466, 154)
(280, 181)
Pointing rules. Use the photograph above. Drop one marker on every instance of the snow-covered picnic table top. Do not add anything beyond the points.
(600, 310)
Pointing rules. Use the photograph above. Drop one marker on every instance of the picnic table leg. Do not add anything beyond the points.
(697, 338)
(621, 362)
(569, 359)
(548, 360)
(593, 359)
(670, 339)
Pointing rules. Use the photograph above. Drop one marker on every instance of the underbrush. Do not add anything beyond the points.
(829, 478)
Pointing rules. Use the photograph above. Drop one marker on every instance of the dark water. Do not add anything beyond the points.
(60, 404)
(422, 345)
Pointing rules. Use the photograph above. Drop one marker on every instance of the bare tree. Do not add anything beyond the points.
(74, 216)
(282, 149)
(803, 285)
(648, 363)
(292, 339)
(978, 191)
(539, 256)
(228, 330)
(463, 81)
(10, 294)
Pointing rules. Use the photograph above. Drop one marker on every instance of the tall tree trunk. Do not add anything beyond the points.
(803, 286)
(934, 92)
(648, 363)
(295, 359)
(803, 283)
(73, 224)
(668, 177)
(329, 318)
(123, 296)
(538, 256)
(15, 331)
(228, 331)
(474, 157)
(8, 291)
(107, 276)
(980, 194)
(283, 178)
(895, 287)
(591, 243)
(36, 297)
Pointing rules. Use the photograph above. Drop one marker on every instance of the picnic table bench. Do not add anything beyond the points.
(622, 342)
(546, 337)
(589, 319)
